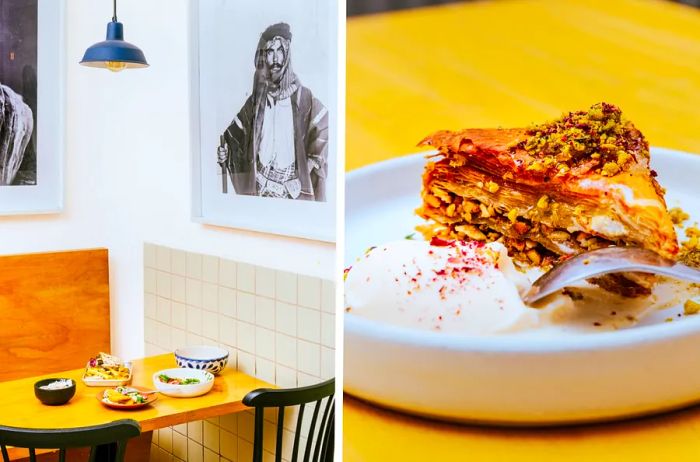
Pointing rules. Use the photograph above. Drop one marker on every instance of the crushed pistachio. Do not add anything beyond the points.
(691, 307)
(492, 187)
(599, 138)
(678, 216)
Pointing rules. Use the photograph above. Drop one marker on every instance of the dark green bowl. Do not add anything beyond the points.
(53, 397)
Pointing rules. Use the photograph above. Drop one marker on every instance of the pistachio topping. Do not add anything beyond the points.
(600, 140)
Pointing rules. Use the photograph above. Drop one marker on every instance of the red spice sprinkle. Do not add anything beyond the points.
(597, 324)
(440, 317)
(438, 242)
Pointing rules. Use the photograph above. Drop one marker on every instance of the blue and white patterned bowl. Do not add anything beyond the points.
(202, 357)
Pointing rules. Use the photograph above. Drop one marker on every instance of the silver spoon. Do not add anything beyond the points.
(605, 261)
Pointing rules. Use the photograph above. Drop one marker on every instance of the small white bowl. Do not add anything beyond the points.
(202, 357)
(206, 382)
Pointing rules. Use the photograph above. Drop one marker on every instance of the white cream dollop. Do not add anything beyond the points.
(455, 286)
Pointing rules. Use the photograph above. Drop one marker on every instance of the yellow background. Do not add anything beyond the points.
(511, 63)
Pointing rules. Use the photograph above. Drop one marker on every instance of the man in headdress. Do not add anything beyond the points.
(277, 144)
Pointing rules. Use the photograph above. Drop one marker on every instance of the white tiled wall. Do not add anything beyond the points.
(277, 326)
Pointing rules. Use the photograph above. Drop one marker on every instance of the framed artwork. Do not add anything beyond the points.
(264, 89)
(31, 106)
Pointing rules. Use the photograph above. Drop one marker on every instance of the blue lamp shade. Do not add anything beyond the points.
(114, 53)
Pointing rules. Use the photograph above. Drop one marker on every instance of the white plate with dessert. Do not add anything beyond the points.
(421, 340)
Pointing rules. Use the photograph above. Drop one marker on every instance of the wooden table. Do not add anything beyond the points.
(20, 408)
(511, 63)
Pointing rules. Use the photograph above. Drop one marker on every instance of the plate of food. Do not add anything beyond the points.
(183, 382)
(442, 246)
(105, 370)
(127, 397)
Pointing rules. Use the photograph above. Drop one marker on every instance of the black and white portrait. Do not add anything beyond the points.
(277, 144)
(18, 92)
(32, 49)
(265, 90)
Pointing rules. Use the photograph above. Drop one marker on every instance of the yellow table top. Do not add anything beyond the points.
(20, 408)
(512, 63)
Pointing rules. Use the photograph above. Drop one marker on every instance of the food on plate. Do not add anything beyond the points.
(177, 381)
(58, 384)
(124, 395)
(553, 190)
(107, 367)
(445, 286)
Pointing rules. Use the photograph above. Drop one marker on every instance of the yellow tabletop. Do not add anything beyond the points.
(20, 408)
(511, 63)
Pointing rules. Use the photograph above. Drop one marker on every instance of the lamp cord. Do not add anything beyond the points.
(114, 16)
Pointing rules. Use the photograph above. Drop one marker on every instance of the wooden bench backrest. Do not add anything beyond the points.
(54, 311)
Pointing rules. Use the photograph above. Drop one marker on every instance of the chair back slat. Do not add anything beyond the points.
(280, 430)
(328, 442)
(297, 432)
(312, 427)
(258, 443)
(281, 398)
(320, 436)
(106, 441)
(5, 455)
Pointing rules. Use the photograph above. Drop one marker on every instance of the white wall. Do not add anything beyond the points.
(127, 165)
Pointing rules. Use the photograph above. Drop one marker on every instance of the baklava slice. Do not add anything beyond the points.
(578, 183)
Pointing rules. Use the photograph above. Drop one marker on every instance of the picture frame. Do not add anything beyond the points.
(34, 64)
(271, 114)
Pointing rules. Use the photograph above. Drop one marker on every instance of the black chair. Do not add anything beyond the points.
(321, 430)
(107, 442)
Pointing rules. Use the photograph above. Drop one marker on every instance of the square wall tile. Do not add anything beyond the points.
(178, 262)
(286, 286)
(194, 266)
(164, 336)
(149, 305)
(195, 431)
(265, 282)
(285, 377)
(210, 325)
(178, 338)
(245, 304)
(195, 451)
(163, 310)
(210, 456)
(327, 363)
(265, 312)
(265, 369)
(227, 302)
(163, 258)
(305, 380)
(178, 289)
(210, 269)
(286, 318)
(211, 436)
(179, 446)
(245, 278)
(309, 324)
(194, 320)
(165, 438)
(149, 255)
(328, 296)
(246, 363)
(179, 315)
(227, 330)
(227, 273)
(245, 337)
(245, 450)
(210, 297)
(228, 422)
(265, 343)
(228, 446)
(246, 425)
(309, 292)
(193, 292)
(286, 350)
(328, 330)
(309, 357)
(150, 284)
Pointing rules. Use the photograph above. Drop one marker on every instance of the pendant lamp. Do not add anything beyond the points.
(114, 53)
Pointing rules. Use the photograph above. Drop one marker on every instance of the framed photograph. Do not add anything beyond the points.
(31, 106)
(264, 90)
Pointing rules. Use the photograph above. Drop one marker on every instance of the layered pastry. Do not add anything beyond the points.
(578, 183)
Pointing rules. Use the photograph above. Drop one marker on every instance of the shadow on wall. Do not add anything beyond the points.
(358, 7)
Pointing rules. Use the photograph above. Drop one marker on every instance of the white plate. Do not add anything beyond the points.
(206, 382)
(521, 379)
